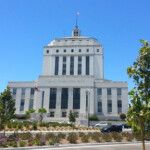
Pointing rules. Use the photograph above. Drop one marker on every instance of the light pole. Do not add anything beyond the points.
(87, 104)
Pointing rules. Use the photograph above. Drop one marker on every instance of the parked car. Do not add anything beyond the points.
(101, 125)
(112, 128)
(126, 126)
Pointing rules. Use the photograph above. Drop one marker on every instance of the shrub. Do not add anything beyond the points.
(93, 118)
(122, 116)
(38, 143)
(49, 136)
(9, 125)
(81, 134)
(56, 139)
(95, 136)
(61, 135)
(72, 137)
(117, 136)
(85, 138)
(22, 143)
(106, 137)
(38, 136)
(34, 126)
(42, 140)
(20, 125)
(51, 143)
(128, 136)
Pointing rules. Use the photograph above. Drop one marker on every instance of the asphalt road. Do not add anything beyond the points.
(129, 146)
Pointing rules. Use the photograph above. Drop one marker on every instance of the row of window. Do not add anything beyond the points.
(64, 65)
(72, 50)
(23, 91)
(64, 98)
(22, 103)
(109, 106)
(63, 114)
(99, 91)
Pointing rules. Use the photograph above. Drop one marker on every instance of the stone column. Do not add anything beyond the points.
(75, 65)
(18, 100)
(124, 100)
(91, 101)
(114, 101)
(91, 65)
(60, 65)
(83, 65)
(46, 99)
(38, 99)
(83, 103)
(68, 65)
(27, 99)
(70, 100)
(104, 101)
(58, 104)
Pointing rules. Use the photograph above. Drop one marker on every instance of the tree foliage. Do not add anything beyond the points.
(122, 116)
(29, 112)
(41, 112)
(72, 116)
(138, 115)
(7, 106)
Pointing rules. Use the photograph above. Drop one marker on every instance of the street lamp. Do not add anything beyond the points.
(87, 104)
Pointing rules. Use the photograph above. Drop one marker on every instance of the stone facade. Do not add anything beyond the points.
(72, 79)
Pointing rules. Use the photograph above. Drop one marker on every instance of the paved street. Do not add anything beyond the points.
(110, 146)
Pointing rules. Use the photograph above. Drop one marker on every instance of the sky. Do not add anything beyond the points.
(26, 26)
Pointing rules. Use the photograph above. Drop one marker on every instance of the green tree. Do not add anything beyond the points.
(41, 112)
(29, 112)
(72, 116)
(122, 116)
(138, 115)
(7, 107)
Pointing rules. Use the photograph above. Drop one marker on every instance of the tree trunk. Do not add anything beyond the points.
(142, 133)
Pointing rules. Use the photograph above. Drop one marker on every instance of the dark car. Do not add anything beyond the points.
(126, 126)
(112, 128)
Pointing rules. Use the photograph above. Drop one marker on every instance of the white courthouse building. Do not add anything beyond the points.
(72, 79)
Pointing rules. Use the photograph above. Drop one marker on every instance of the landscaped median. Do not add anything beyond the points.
(26, 134)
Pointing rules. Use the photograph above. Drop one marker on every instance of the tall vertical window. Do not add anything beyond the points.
(119, 105)
(64, 98)
(14, 91)
(118, 91)
(87, 65)
(99, 104)
(76, 98)
(71, 65)
(109, 91)
(52, 104)
(22, 105)
(31, 103)
(79, 65)
(109, 106)
(64, 66)
(23, 91)
(56, 65)
(99, 91)
(32, 91)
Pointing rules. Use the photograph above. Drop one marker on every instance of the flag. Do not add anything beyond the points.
(36, 89)
(77, 13)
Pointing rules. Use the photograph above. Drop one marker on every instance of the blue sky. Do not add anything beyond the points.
(26, 26)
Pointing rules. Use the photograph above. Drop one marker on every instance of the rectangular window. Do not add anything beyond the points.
(14, 91)
(52, 114)
(109, 91)
(64, 114)
(71, 65)
(42, 99)
(87, 65)
(22, 105)
(119, 105)
(64, 66)
(109, 106)
(52, 104)
(32, 91)
(99, 91)
(99, 104)
(31, 103)
(79, 65)
(118, 91)
(76, 98)
(23, 91)
(64, 98)
(56, 65)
